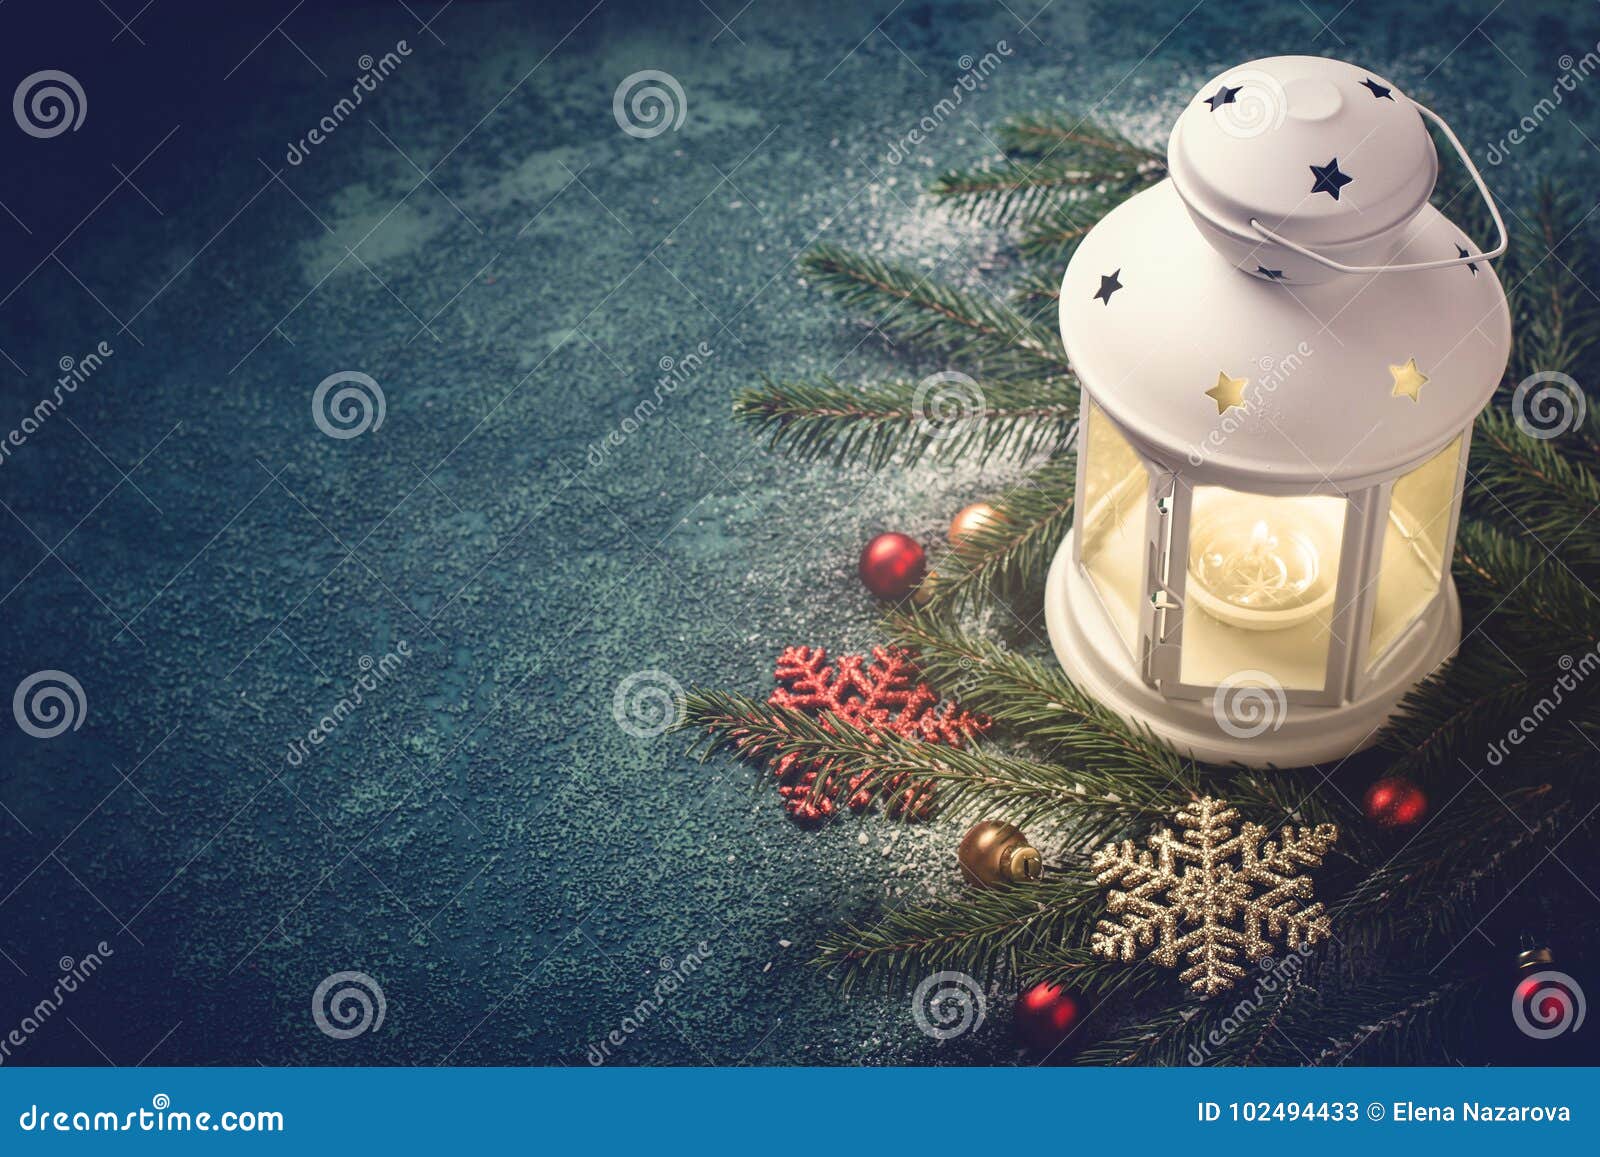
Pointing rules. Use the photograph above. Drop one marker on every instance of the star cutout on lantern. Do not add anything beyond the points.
(1108, 286)
(1472, 265)
(1408, 380)
(1224, 95)
(1228, 392)
(1329, 179)
(1379, 92)
(1270, 274)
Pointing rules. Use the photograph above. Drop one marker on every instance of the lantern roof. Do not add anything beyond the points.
(1253, 380)
(1319, 150)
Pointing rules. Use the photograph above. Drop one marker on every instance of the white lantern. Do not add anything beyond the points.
(1282, 349)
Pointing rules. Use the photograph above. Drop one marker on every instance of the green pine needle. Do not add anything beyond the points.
(1013, 551)
(1050, 159)
(1057, 134)
(967, 780)
(1053, 237)
(978, 332)
(985, 933)
(1041, 705)
(1007, 190)
(910, 421)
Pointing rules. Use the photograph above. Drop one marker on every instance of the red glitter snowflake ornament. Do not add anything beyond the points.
(880, 693)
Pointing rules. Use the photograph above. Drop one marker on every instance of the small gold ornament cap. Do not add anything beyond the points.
(1534, 958)
(994, 852)
(1024, 863)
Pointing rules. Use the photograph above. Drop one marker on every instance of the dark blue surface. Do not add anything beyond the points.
(480, 836)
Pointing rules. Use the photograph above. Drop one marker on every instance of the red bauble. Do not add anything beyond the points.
(1045, 1015)
(892, 564)
(1395, 803)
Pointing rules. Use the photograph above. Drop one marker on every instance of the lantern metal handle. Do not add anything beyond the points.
(1444, 263)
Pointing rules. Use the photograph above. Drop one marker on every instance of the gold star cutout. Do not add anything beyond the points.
(1228, 392)
(1408, 380)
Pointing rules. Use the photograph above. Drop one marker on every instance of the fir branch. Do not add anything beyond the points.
(1422, 892)
(1522, 592)
(1049, 158)
(912, 307)
(1523, 567)
(984, 932)
(1400, 1014)
(1037, 291)
(1264, 1042)
(1054, 236)
(882, 422)
(867, 760)
(1286, 1021)
(1555, 317)
(1006, 190)
(1445, 713)
(1176, 1035)
(1074, 967)
(1040, 704)
(1057, 134)
(1529, 480)
(1013, 551)
(1037, 703)
(1533, 615)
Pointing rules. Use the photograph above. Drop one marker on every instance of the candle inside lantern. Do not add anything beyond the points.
(1262, 563)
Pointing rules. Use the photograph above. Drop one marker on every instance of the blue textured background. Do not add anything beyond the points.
(481, 837)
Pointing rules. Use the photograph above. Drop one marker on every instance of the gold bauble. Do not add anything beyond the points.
(994, 852)
(970, 519)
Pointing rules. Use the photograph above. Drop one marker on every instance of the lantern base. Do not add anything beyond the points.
(1096, 660)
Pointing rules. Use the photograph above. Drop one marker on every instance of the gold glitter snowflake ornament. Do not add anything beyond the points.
(1209, 898)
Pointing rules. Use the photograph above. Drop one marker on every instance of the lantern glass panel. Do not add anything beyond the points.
(1263, 571)
(1411, 563)
(1114, 494)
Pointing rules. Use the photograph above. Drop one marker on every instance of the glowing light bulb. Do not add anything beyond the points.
(1258, 573)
